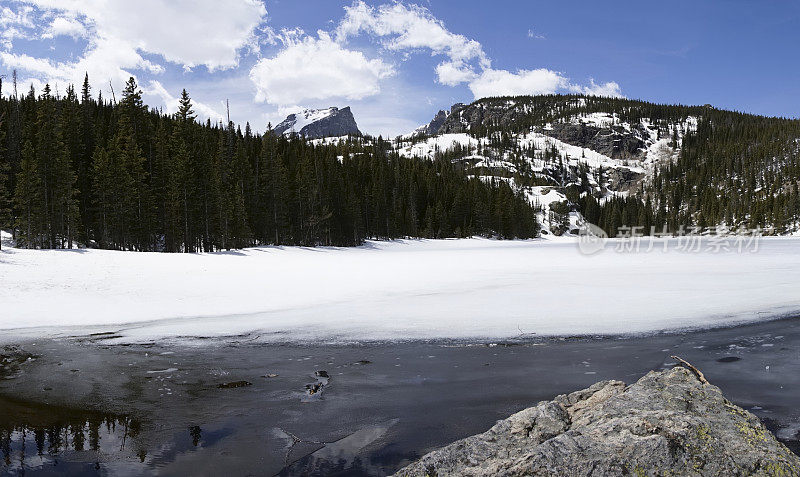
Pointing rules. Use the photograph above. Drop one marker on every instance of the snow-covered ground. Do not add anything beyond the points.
(428, 148)
(394, 290)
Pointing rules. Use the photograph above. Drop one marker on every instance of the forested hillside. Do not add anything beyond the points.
(78, 169)
(620, 162)
(84, 170)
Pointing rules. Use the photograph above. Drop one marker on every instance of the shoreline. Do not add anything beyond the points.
(110, 335)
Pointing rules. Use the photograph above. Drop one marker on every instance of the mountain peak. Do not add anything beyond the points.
(432, 128)
(319, 123)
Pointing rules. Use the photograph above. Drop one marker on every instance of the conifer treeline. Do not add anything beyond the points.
(80, 170)
(736, 169)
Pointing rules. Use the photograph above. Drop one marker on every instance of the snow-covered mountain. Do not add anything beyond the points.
(320, 123)
(550, 151)
(574, 155)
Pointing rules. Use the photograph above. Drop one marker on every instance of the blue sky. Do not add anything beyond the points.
(396, 64)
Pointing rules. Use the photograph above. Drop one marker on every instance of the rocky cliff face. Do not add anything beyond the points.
(616, 142)
(481, 113)
(320, 123)
(612, 140)
(668, 423)
(438, 121)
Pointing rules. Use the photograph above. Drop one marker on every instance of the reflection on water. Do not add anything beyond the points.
(36, 436)
(344, 457)
(39, 439)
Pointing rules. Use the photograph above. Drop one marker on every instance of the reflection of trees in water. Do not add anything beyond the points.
(196, 434)
(58, 434)
(53, 431)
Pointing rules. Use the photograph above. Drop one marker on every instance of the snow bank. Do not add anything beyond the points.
(428, 148)
(5, 239)
(394, 290)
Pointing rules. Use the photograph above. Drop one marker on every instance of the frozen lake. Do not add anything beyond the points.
(407, 289)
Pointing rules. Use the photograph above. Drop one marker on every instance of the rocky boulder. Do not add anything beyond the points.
(669, 423)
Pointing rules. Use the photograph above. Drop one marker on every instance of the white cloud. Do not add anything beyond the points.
(13, 24)
(453, 73)
(104, 61)
(171, 103)
(8, 35)
(523, 82)
(65, 26)
(19, 17)
(535, 36)
(317, 69)
(532, 82)
(37, 66)
(610, 89)
(403, 27)
(186, 32)
(410, 27)
(310, 68)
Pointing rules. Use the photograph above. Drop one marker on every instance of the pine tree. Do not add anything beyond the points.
(182, 178)
(58, 180)
(13, 148)
(28, 200)
(185, 111)
(135, 198)
(106, 201)
(83, 160)
(5, 206)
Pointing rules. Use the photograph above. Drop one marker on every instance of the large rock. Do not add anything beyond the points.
(667, 424)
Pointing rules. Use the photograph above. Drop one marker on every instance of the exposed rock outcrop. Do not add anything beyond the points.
(438, 121)
(481, 113)
(320, 123)
(667, 424)
(616, 142)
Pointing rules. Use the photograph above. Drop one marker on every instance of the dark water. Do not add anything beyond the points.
(79, 407)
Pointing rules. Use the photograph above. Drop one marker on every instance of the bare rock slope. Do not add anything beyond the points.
(320, 123)
(667, 424)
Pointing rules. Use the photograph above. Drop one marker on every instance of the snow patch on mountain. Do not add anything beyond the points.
(575, 154)
(601, 120)
(428, 148)
(297, 122)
